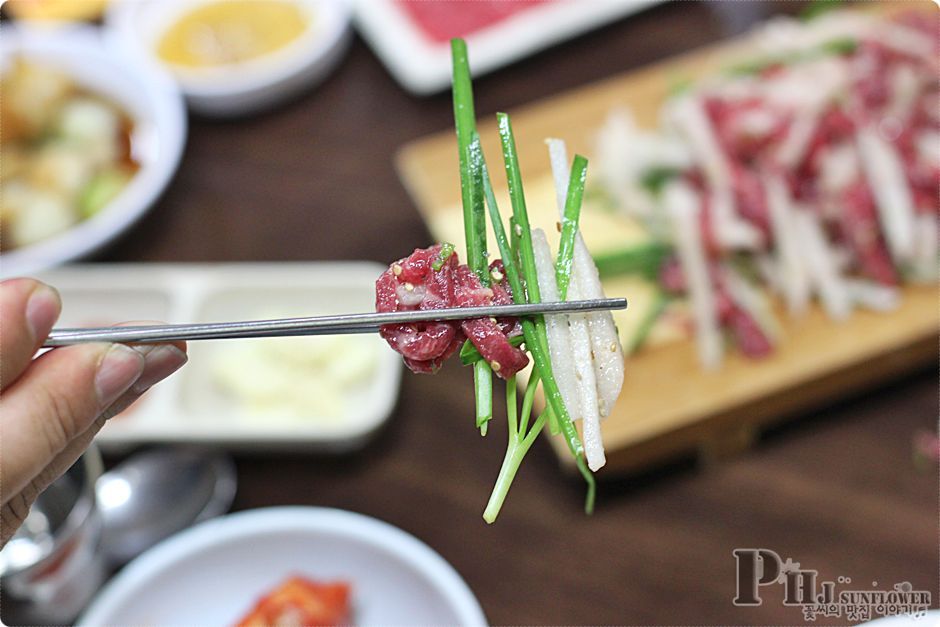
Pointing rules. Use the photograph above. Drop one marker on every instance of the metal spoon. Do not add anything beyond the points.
(154, 494)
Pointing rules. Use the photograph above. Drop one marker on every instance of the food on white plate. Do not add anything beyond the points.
(56, 10)
(296, 379)
(227, 33)
(811, 171)
(66, 153)
(577, 358)
(302, 601)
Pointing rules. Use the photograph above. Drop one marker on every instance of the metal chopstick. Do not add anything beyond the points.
(318, 325)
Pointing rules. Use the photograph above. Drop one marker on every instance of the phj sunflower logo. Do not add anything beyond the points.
(757, 568)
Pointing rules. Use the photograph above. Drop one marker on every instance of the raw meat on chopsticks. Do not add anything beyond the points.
(414, 283)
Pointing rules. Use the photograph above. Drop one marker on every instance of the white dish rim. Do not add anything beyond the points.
(423, 67)
(243, 525)
(315, 45)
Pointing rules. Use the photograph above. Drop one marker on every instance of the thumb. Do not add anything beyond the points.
(59, 397)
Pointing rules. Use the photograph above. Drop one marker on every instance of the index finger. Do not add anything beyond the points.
(28, 309)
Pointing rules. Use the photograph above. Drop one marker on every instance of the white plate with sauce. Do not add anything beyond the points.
(234, 57)
(213, 573)
(328, 393)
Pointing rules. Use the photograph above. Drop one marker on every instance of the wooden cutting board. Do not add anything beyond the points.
(669, 405)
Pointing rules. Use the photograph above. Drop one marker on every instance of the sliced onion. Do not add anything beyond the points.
(556, 326)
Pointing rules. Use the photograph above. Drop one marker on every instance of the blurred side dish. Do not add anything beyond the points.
(301, 601)
(66, 153)
(809, 171)
(232, 32)
(56, 10)
(296, 378)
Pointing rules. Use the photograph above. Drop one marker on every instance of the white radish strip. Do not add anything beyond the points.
(558, 155)
(731, 232)
(823, 271)
(683, 206)
(794, 144)
(753, 301)
(926, 248)
(770, 272)
(607, 351)
(873, 295)
(688, 117)
(793, 278)
(556, 327)
(885, 174)
(613, 146)
(605, 341)
(587, 385)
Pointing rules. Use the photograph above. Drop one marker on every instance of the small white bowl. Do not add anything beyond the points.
(248, 87)
(147, 95)
(213, 573)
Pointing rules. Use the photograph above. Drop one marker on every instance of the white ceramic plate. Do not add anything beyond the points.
(149, 97)
(423, 66)
(191, 406)
(213, 573)
(135, 27)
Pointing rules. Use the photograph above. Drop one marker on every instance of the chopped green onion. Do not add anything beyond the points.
(474, 212)
(644, 259)
(569, 225)
(534, 330)
(483, 388)
(447, 249)
(655, 179)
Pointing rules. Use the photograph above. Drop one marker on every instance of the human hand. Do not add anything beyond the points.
(52, 406)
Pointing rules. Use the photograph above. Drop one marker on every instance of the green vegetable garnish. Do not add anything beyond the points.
(534, 329)
(102, 189)
(519, 264)
(841, 46)
(569, 224)
(474, 213)
(447, 249)
(817, 8)
(644, 259)
(656, 178)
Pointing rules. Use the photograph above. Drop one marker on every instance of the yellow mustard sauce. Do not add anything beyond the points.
(54, 10)
(229, 32)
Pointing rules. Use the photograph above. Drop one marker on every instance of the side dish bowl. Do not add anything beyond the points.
(149, 98)
(245, 87)
(214, 572)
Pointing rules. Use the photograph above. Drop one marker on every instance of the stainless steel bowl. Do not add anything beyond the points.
(52, 567)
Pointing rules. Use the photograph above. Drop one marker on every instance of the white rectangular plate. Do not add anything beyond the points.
(423, 65)
(191, 406)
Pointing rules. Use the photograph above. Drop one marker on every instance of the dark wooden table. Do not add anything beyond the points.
(836, 490)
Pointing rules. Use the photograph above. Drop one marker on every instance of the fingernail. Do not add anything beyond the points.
(159, 363)
(120, 367)
(42, 309)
